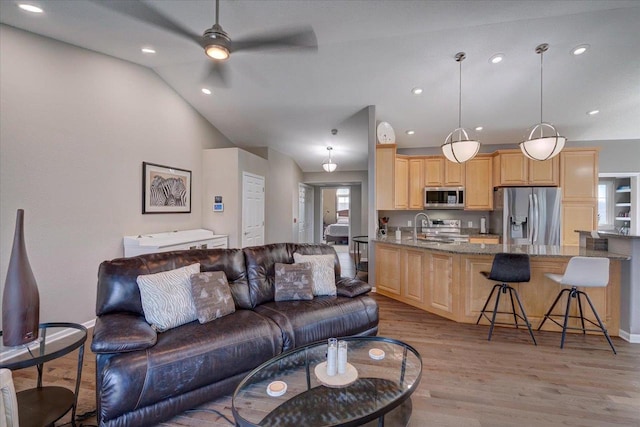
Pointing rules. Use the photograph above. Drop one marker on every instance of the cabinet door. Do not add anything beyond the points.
(413, 283)
(440, 282)
(401, 184)
(513, 169)
(385, 163)
(387, 269)
(478, 189)
(416, 187)
(577, 216)
(544, 173)
(453, 174)
(434, 171)
(579, 175)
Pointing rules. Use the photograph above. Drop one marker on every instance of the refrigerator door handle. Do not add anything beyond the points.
(530, 220)
(536, 212)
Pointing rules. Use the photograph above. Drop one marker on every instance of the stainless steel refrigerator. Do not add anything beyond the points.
(527, 215)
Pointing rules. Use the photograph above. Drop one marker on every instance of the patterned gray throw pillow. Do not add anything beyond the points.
(293, 282)
(211, 295)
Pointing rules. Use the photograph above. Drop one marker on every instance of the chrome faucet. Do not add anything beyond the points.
(415, 223)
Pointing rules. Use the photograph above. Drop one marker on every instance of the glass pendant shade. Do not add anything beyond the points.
(542, 147)
(538, 145)
(329, 165)
(458, 147)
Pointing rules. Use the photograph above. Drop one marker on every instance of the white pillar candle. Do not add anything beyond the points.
(332, 356)
(342, 357)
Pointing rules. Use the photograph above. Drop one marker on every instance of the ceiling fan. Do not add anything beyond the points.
(215, 41)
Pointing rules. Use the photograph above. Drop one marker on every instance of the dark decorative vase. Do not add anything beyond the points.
(20, 299)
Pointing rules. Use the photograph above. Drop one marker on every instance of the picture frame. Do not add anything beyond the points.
(165, 189)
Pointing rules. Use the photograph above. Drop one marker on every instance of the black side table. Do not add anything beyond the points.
(357, 254)
(42, 406)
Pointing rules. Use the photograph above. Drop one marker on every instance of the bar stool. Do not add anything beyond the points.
(585, 272)
(507, 268)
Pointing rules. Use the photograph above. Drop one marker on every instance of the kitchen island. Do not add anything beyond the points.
(628, 245)
(445, 279)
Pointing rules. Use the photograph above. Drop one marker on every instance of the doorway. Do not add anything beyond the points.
(305, 213)
(336, 218)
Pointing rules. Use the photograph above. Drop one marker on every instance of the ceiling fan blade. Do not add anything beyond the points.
(217, 74)
(300, 38)
(140, 11)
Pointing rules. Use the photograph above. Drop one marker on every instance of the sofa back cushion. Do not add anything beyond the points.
(118, 290)
(261, 260)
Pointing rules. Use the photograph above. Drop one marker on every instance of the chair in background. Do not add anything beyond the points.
(507, 268)
(8, 401)
(585, 272)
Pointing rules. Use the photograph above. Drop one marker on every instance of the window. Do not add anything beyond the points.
(342, 199)
(606, 204)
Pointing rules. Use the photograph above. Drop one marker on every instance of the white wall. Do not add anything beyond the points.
(75, 127)
(281, 199)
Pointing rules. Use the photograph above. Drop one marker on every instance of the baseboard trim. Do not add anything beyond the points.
(632, 338)
(11, 352)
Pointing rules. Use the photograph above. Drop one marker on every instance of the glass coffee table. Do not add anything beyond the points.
(382, 385)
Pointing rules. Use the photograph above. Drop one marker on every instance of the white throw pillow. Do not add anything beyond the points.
(322, 270)
(166, 297)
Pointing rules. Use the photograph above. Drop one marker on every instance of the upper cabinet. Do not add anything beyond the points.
(478, 192)
(416, 179)
(579, 179)
(439, 172)
(514, 169)
(385, 168)
(401, 183)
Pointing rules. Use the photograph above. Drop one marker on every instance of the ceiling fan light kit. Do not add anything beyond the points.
(216, 42)
(537, 145)
(458, 147)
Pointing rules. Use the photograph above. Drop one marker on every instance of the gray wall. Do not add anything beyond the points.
(75, 128)
(281, 199)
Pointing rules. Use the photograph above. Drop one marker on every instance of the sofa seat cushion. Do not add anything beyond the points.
(186, 358)
(303, 322)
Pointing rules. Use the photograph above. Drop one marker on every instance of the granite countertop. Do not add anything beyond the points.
(488, 249)
(606, 234)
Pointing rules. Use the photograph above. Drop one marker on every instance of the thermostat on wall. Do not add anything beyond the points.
(218, 207)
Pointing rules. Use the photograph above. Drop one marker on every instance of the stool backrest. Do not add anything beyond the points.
(587, 271)
(511, 268)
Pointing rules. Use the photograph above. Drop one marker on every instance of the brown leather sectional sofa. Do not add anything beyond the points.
(144, 377)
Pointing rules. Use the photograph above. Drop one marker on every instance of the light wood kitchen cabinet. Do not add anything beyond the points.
(518, 170)
(478, 187)
(439, 172)
(577, 216)
(443, 281)
(388, 269)
(579, 183)
(416, 187)
(385, 166)
(433, 171)
(579, 174)
(493, 240)
(401, 183)
(413, 277)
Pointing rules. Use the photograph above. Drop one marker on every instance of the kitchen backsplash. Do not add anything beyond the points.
(401, 218)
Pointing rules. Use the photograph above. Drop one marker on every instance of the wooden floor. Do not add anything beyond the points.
(466, 380)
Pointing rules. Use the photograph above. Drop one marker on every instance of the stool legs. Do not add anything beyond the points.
(575, 293)
(502, 289)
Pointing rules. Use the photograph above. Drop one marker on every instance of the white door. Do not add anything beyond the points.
(252, 210)
(305, 213)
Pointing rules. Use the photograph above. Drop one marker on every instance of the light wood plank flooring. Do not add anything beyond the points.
(466, 380)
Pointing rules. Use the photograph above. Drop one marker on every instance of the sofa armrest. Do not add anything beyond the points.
(121, 333)
(348, 287)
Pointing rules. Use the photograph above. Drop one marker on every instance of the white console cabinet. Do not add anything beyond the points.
(173, 241)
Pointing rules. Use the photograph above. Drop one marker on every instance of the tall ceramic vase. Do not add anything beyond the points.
(20, 299)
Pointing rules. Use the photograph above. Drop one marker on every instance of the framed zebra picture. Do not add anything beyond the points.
(165, 189)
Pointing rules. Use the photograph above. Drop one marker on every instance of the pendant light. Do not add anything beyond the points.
(538, 145)
(458, 147)
(328, 165)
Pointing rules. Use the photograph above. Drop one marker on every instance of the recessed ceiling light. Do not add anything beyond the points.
(479, 128)
(148, 50)
(497, 58)
(593, 112)
(579, 50)
(410, 132)
(206, 91)
(30, 8)
(416, 91)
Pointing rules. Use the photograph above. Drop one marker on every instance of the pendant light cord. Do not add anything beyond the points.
(541, 71)
(217, 10)
(460, 96)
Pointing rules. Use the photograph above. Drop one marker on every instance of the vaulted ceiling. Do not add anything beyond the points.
(374, 53)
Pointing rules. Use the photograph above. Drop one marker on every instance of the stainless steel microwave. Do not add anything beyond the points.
(444, 197)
